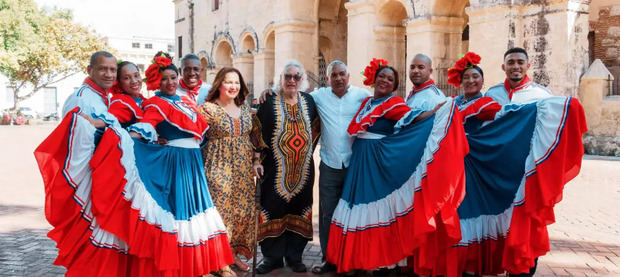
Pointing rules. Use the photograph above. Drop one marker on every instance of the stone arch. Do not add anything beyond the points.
(392, 37)
(333, 29)
(204, 64)
(407, 5)
(223, 36)
(223, 53)
(452, 8)
(269, 36)
(248, 39)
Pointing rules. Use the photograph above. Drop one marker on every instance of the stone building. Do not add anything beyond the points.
(563, 37)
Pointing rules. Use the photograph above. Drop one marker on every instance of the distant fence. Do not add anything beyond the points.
(442, 82)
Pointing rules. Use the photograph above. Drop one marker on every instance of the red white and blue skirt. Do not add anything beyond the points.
(516, 170)
(401, 194)
(128, 208)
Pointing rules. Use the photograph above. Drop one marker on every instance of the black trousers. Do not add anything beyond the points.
(331, 181)
(289, 246)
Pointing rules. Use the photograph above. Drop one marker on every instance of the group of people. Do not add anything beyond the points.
(426, 184)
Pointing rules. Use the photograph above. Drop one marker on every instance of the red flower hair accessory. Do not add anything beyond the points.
(469, 60)
(371, 70)
(153, 72)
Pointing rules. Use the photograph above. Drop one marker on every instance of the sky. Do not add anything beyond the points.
(121, 18)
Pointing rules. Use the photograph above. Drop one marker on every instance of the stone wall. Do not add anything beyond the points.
(602, 112)
(607, 35)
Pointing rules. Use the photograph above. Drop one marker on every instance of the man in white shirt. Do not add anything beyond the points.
(425, 95)
(517, 88)
(92, 97)
(337, 105)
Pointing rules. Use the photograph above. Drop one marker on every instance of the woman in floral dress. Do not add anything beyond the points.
(228, 159)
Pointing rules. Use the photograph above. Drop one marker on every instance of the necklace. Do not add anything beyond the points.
(288, 115)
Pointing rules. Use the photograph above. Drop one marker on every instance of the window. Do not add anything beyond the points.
(170, 48)
(216, 5)
(148, 46)
(135, 45)
(180, 45)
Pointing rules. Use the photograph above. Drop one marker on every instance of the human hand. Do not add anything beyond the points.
(258, 169)
(263, 95)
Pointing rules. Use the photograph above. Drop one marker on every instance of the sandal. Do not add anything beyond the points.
(241, 265)
(226, 272)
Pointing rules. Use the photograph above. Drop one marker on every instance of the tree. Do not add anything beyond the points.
(40, 48)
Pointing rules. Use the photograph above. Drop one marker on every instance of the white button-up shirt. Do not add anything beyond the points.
(336, 113)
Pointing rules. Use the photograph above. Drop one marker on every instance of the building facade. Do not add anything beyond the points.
(139, 50)
(258, 36)
(563, 38)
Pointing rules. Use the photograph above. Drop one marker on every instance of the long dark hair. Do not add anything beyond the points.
(214, 92)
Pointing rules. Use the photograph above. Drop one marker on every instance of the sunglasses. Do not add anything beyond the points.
(295, 77)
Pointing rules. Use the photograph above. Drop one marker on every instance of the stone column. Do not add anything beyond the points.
(592, 89)
(295, 39)
(360, 37)
(263, 69)
(556, 39)
(492, 30)
(438, 37)
(603, 137)
(245, 63)
(553, 33)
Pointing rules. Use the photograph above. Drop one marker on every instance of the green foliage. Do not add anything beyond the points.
(39, 48)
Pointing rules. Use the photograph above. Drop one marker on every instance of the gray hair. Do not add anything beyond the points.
(423, 57)
(189, 56)
(95, 56)
(300, 68)
(331, 65)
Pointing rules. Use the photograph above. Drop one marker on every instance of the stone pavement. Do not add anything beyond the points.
(585, 240)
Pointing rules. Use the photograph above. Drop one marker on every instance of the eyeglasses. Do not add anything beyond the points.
(295, 77)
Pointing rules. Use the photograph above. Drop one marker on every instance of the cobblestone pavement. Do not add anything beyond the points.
(585, 240)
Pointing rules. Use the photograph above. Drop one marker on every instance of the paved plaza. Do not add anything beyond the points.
(585, 240)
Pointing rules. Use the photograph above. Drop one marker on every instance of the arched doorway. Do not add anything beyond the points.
(455, 40)
(333, 30)
(244, 60)
(204, 64)
(392, 39)
(270, 62)
(223, 54)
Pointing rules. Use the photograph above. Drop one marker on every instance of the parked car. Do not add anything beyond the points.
(27, 112)
(51, 116)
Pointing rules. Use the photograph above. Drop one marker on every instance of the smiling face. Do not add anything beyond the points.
(191, 70)
(291, 80)
(339, 79)
(130, 80)
(472, 82)
(103, 72)
(419, 71)
(384, 82)
(516, 66)
(169, 82)
(229, 89)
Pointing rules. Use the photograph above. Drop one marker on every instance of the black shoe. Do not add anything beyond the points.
(323, 268)
(298, 267)
(266, 267)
